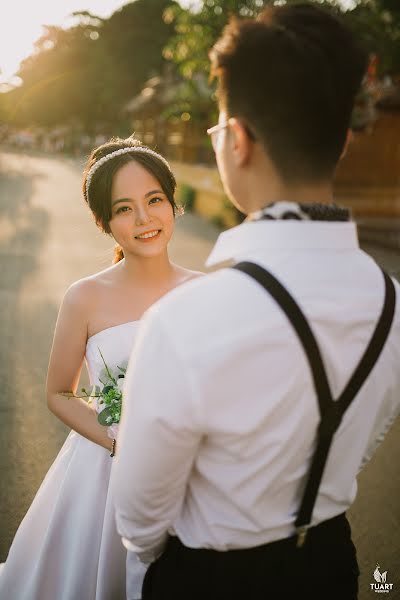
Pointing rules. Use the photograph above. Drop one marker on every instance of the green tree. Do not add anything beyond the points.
(377, 23)
(196, 32)
(58, 78)
(133, 40)
(85, 74)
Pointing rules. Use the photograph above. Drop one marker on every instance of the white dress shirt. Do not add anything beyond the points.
(220, 413)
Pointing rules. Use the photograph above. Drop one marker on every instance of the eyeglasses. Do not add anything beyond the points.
(215, 129)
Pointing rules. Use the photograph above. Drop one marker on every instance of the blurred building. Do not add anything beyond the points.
(172, 115)
(368, 177)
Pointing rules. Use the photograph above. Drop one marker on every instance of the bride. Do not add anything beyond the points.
(67, 546)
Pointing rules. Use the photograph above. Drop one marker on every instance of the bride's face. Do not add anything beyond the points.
(142, 218)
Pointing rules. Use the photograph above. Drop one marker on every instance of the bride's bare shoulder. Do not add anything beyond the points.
(84, 290)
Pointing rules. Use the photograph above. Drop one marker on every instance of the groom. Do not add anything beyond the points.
(251, 398)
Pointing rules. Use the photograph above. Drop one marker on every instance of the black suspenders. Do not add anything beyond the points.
(331, 411)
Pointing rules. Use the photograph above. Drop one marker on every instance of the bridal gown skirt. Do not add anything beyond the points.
(67, 546)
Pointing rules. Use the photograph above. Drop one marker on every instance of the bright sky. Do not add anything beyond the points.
(21, 24)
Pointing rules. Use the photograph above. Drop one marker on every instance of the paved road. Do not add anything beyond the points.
(48, 240)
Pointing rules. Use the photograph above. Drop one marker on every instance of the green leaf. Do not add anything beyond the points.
(103, 415)
(106, 367)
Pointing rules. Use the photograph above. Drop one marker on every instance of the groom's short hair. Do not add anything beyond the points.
(292, 76)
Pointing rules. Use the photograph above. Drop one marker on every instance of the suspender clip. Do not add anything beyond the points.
(301, 535)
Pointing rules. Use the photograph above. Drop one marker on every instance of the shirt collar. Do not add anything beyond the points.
(258, 236)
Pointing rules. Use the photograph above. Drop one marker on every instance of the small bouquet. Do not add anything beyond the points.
(109, 397)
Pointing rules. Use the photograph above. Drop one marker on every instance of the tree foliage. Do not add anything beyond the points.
(87, 72)
(377, 22)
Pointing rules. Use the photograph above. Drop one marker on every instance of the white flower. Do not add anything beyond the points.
(120, 383)
(112, 431)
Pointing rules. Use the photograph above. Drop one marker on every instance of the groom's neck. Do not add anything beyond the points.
(261, 190)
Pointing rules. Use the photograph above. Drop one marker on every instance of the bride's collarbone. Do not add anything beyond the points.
(111, 312)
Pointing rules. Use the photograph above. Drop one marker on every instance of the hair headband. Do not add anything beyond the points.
(107, 157)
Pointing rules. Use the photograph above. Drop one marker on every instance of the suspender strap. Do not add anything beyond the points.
(300, 325)
(330, 421)
(375, 346)
(331, 411)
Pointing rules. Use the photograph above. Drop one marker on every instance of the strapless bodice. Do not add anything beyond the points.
(115, 344)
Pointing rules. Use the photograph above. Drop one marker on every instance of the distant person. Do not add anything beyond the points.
(221, 479)
(67, 546)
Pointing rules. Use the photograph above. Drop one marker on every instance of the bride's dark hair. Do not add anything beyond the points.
(98, 195)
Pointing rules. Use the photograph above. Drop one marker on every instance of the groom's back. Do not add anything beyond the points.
(254, 387)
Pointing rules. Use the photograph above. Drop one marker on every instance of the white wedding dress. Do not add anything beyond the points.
(67, 546)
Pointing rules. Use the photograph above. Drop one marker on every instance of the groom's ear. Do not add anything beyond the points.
(241, 143)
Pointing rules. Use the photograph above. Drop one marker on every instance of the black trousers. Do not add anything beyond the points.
(325, 568)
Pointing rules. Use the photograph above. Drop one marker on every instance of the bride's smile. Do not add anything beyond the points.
(148, 236)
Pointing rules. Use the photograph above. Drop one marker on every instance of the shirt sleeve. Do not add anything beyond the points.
(388, 413)
(389, 408)
(157, 443)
